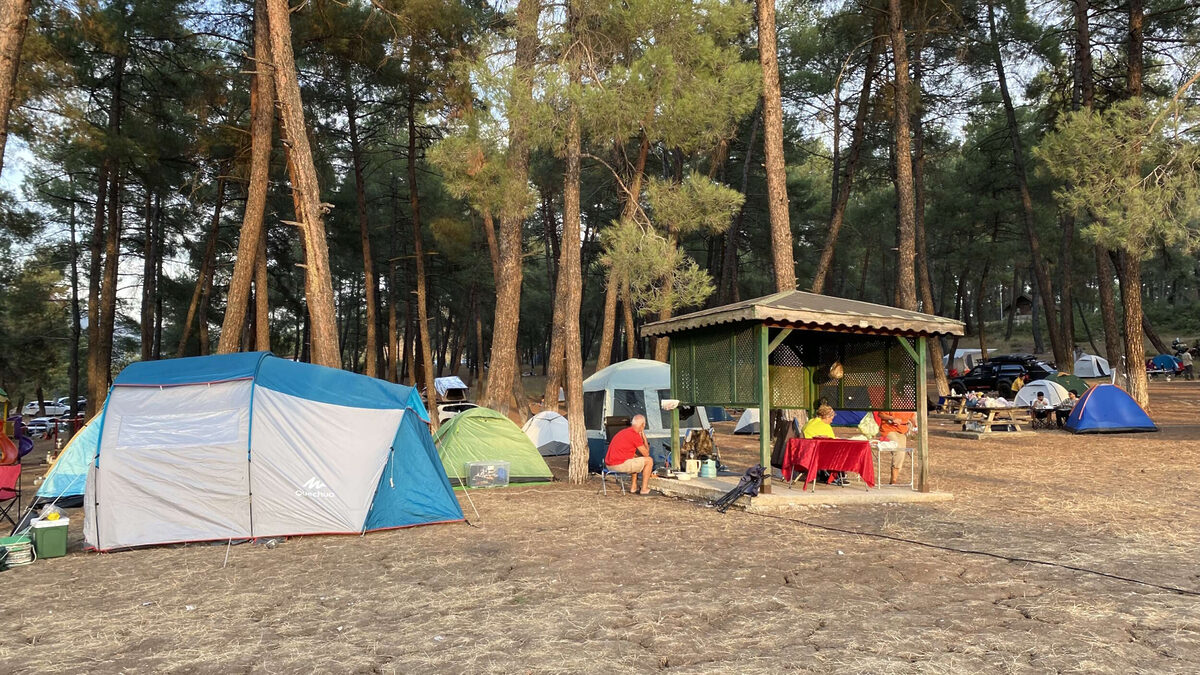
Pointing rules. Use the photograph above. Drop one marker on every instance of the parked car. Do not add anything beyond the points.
(998, 372)
(41, 427)
(58, 407)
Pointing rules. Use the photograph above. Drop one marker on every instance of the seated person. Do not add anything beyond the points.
(1040, 403)
(894, 427)
(1062, 412)
(821, 426)
(629, 452)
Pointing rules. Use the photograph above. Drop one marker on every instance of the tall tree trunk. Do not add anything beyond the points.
(504, 374)
(76, 320)
(112, 245)
(1012, 304)
(571, 278)
(1062, 351)
(924, 281)
(555, 363)
(608, 330)
(364, 233)
(203, 279)
(262, 298)
(414, 202)
(1136, 58)
(393, 372)
(160, 238)
(14, 17)
(627, 312)
(777, 198)
(96, 383)
(262, 114)
(305, 189)
(149, 292)
(1108, 309)
(906, 282)
(838, 211)
(1130, 269)
(729, 257)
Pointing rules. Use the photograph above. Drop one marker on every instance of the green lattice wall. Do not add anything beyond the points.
(719, 366)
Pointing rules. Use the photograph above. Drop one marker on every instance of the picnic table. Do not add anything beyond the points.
(986, 418)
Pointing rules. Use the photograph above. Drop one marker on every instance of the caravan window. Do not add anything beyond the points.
(628, 402)
(593, 410)
(690, 422)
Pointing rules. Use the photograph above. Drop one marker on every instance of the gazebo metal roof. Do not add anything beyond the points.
(810, 311)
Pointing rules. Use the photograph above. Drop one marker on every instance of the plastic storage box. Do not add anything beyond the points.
(491, 473)
(50, 537)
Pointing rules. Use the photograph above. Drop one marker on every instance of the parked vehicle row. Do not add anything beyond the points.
(55, 408)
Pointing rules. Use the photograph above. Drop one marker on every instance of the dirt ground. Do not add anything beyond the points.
(560, 579)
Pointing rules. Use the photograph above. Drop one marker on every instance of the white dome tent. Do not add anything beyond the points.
(1054, 392)
(1090, 365)
(549, 433)
(628, 388)
(748, 423)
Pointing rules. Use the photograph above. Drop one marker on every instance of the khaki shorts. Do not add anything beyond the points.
(635, 465)
(897, 455)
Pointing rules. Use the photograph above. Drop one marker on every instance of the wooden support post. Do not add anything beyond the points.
(675, 438)
(779, 338)
(764, 408)
(922, 416)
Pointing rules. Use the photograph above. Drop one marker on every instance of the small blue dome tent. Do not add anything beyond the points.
(184, 443)
(1107, 409)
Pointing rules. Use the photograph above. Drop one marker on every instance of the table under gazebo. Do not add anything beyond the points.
(782, 351)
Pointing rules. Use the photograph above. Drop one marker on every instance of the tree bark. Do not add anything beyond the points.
(203, 277)
(414, 202)
(305, 188)
(627, 312)
(1108, 307)
(504, 373)
(262, 298)
(608, 330)
(924, 281)
(1130, 270)
(76, 320)
(571, 278)
(364, 232)
(1062, 352)
(14, 17)
(729, 256)
(1154, 337)
(112, 246)
(906, 282)
(1136, 59)
(838, 212)
(95, 382)
(555, 363)
(262, 114)
(777, 198)
(149, 292)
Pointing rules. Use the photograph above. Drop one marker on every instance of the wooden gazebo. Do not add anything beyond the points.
(786, 344)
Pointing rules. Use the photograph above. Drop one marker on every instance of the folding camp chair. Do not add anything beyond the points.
(617, 476)
(10, 491)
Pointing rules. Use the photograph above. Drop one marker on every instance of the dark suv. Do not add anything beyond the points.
(998, 373)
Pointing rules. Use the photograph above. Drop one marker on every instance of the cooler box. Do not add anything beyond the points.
(50, 537)
(492, 473)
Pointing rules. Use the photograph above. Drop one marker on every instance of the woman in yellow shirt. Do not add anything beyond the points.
(821, 425)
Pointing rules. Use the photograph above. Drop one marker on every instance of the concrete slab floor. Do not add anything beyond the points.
(782, 497)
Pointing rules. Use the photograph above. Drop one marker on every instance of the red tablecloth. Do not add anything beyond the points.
(828, 454)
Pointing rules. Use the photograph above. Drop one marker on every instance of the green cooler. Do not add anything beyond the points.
(50, 537)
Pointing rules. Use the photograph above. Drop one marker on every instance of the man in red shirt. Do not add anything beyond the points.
(629, 452)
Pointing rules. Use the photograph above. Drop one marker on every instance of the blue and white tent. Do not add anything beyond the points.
(67, 476)
(1107, 409)
(247, 445)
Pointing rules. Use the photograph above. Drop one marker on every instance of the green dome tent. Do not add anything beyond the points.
(482, 434)
(1070, 383)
